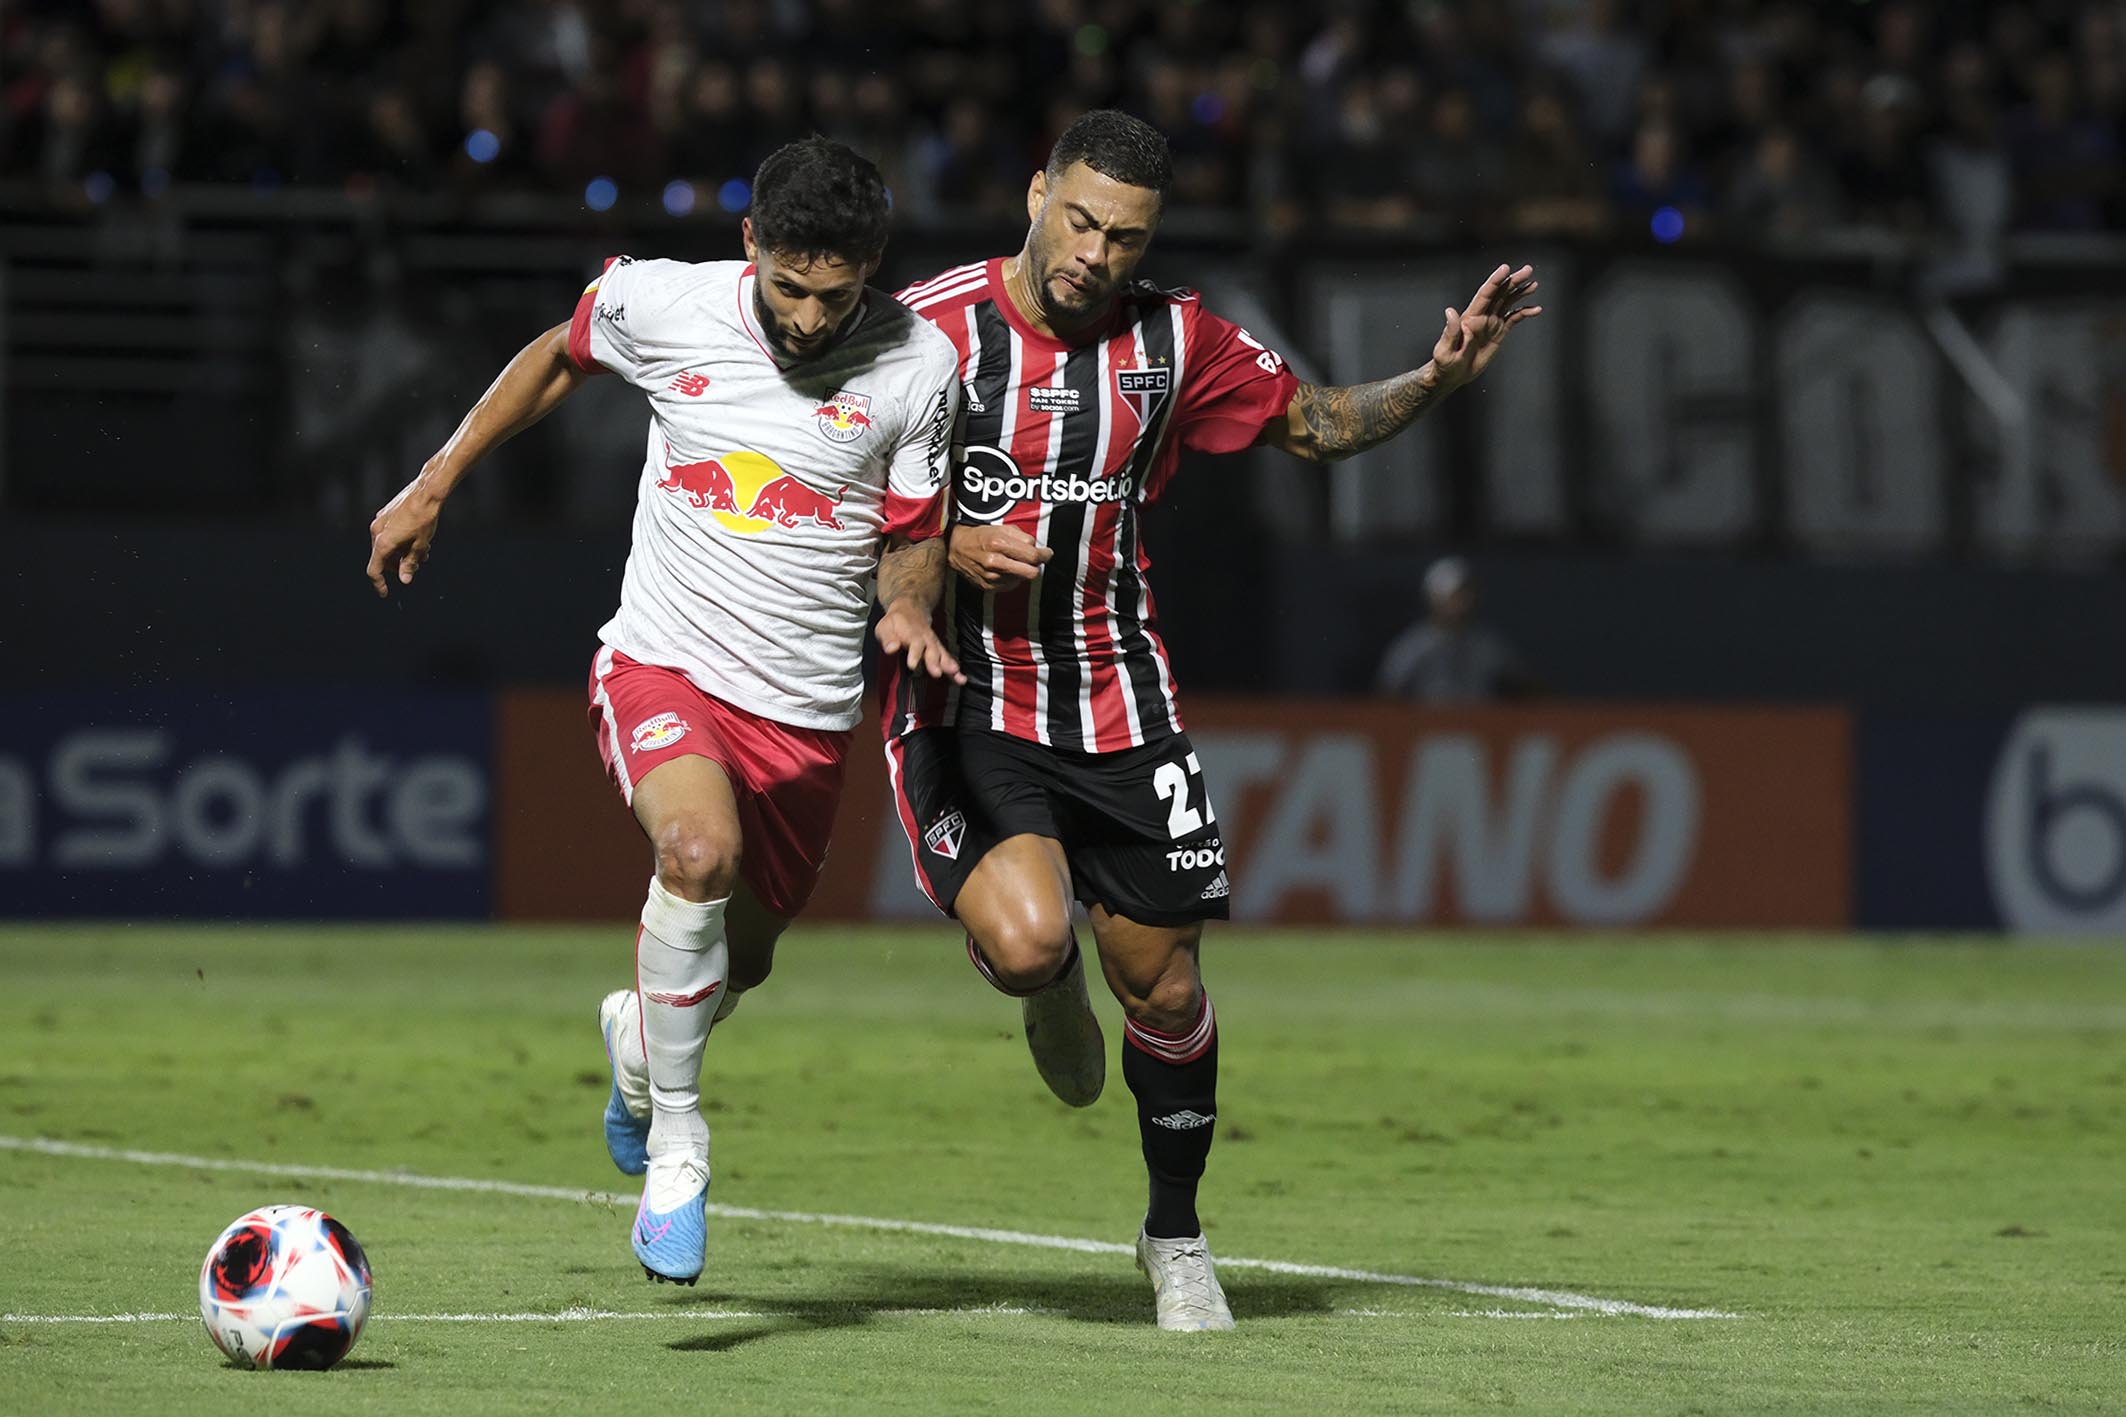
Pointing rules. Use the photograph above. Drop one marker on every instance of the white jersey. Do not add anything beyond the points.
(768, 485)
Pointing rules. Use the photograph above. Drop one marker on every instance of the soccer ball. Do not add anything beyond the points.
(285, 1287)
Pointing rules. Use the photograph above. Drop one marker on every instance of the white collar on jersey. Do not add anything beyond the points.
(747, 280)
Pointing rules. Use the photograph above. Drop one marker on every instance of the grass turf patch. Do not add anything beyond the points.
(1898, 1162)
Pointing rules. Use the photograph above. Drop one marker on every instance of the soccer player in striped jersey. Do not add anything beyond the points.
(1060, 769)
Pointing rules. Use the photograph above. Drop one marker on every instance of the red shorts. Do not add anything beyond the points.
(788, 780)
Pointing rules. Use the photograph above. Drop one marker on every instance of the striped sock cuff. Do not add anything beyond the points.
(981, 963)
(1184, 1047)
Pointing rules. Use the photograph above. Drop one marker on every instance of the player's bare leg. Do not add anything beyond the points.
(1170, 1060)
(1016, 906)
(682, 964)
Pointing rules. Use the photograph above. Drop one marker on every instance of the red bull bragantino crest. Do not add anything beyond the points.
(844, 417)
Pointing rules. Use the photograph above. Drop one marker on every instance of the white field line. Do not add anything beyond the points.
(1553, 1298)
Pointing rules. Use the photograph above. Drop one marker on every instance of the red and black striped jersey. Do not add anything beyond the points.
(1065, 440)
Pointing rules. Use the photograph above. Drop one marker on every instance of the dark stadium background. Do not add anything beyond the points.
(1827, 414)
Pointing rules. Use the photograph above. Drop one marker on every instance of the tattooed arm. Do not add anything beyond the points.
(912, 570)
(1324, 424)
(911, 577)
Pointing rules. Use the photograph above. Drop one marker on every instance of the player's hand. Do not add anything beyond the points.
(905, 630)
(400, 535)
(991, 555)
(1473, 335)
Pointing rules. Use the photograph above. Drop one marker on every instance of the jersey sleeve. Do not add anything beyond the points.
(919, 475)
(1235, 387)
(622, 318)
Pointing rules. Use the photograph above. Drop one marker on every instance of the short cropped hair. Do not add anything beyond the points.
(1117, 145)
(815, 198)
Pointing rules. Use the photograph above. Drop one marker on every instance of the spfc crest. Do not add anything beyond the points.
(946, 834)
(1144, 390)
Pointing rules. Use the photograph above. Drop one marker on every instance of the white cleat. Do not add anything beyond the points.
(1183, 1284)
(1064, 1037)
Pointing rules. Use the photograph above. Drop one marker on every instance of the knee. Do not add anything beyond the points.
(1027, 949)
(1170, 1003)
(697, 860)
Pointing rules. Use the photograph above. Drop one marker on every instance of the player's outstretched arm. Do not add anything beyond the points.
(1324, 424)
(531, 386)
(911, 578)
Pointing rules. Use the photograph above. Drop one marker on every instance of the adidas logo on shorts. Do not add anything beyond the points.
(1218, 889)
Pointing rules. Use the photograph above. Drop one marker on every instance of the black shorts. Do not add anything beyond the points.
(1136, 825)
(947, 833)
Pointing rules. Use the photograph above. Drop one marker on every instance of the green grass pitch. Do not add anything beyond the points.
(1902, 1166)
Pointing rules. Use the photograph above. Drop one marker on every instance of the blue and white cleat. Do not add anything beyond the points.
(627, 1109)
(671, 1234)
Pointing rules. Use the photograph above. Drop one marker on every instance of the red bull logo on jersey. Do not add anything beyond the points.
(705, 484)
(844, 417)
(786, 502)
(747, 492)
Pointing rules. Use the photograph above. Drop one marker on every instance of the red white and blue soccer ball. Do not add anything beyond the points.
(285, 1287)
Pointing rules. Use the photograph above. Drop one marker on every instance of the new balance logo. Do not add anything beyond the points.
(1218, 889)
(691, 384)
(684, 1001)
(1184, 1121)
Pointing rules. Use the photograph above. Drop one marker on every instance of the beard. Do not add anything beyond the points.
(1062, 303)
(779, 338)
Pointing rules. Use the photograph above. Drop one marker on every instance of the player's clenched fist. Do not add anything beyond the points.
(991, 555)
(400, 535)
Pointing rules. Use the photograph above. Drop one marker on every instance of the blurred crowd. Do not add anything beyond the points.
(1750, 119)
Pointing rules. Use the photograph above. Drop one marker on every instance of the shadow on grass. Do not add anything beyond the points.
(864, 1294)
(344, 1365)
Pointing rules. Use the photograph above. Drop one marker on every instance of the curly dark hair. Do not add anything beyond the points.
(816, 197)
(1117, 145)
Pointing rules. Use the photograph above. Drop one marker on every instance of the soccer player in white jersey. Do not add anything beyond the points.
(1057, 768)
(799, 423)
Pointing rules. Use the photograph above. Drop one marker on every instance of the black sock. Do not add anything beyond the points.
(1177, 1104)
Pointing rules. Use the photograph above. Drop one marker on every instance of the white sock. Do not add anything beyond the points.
(681, 962)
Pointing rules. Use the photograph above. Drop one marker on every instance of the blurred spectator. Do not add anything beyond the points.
(1974, 194)
(965, 166)
(714, 136)
(1883, 178)
(1447, 657)
(1358, 179)
(1543, 116)
(1553, 181)
(1781, 193)
(73, 136)
(1456, 171)
(2066, 158)
(1602, 59)
(1655, 179)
